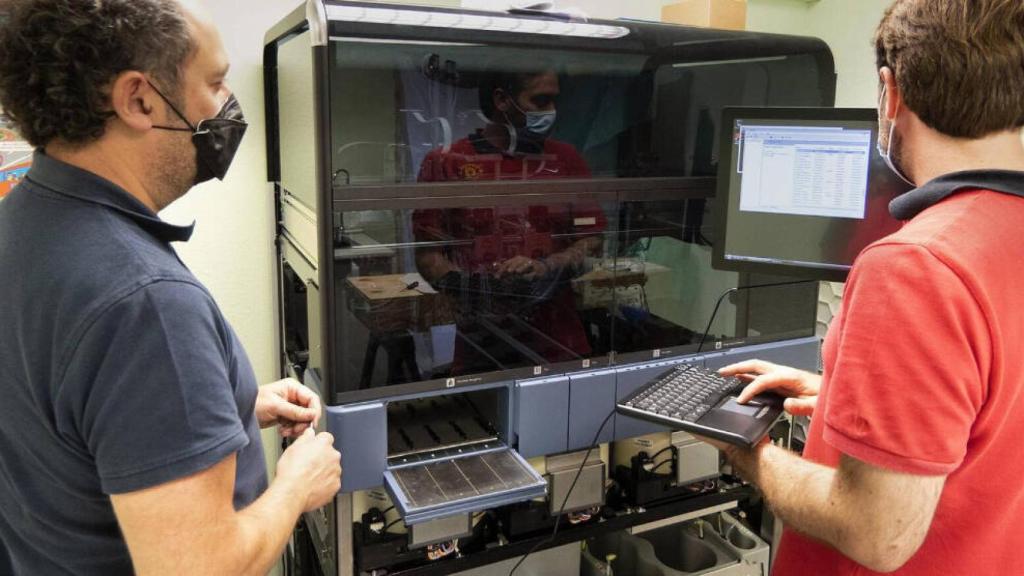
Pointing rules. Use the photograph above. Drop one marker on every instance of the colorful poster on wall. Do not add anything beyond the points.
(15, 156)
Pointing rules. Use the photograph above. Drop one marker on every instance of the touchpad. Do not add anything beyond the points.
(730, 405)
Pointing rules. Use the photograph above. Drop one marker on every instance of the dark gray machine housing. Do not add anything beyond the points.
(354, 97)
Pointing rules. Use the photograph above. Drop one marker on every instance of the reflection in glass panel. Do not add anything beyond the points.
(664, 241)
(445, 292)
(667, 248)
(441, 292)
(487, 284)
(436, 111)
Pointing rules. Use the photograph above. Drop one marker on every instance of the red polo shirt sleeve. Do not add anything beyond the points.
(908, 380)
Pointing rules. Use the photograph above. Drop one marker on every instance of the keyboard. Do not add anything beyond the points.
(700, 401)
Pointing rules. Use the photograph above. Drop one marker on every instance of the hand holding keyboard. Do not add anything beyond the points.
(701, 401)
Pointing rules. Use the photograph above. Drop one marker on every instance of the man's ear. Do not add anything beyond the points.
(133, 100)
(893, 97)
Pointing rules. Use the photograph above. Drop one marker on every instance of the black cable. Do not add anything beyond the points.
(737, 289)
(660, 452)
(561, 510)
(393, 522)
(390, 524)
(659, 465)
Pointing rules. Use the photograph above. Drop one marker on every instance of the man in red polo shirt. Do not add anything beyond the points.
(912, 464)
(513, 258)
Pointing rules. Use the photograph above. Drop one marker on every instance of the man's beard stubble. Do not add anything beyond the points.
(896, 150)
(173, 168)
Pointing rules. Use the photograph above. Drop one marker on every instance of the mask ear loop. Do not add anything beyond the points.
(190, 128)
(512, 137)
(887, 154)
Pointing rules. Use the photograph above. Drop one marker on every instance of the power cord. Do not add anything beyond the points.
(714, 312)
(561, 509)
(659, 465)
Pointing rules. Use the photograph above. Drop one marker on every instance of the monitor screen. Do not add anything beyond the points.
(801, 191)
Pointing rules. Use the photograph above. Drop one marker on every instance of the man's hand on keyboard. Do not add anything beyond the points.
(798, 386)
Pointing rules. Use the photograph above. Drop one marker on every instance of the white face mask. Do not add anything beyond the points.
(539, 123)
(886, 154)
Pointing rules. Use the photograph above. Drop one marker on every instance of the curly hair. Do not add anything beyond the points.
(58, 59)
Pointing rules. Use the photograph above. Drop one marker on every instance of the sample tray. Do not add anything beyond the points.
(471, 483)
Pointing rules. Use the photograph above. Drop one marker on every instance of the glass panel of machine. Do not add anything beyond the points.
(468, 284)
(407, 112)
(439, 292)
(518, 282)
(677, 305)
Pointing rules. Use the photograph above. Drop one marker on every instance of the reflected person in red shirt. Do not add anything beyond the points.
(513, 258)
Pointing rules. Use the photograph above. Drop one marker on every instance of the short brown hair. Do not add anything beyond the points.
(959, 64)
(58, 58)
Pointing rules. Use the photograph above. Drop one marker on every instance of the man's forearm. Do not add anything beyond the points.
(265, 526)
(876, 517)
(798, 492)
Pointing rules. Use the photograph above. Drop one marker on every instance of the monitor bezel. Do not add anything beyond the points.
(722, 190)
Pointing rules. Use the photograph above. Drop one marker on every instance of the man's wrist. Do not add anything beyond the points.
(746, 461)
(291, 489)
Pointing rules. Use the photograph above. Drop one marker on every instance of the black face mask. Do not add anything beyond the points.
(216, 139)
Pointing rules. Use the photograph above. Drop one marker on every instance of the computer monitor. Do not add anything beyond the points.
(801, 191)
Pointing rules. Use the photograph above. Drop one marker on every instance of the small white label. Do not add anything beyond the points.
(656, 353)
(586, 363)
(536, 370)
(585, 221)
(718, 345)
(449, 383)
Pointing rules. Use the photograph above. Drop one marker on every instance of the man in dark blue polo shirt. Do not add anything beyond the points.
(129, 412)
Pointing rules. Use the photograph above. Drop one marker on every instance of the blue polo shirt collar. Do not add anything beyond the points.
(69, 180)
